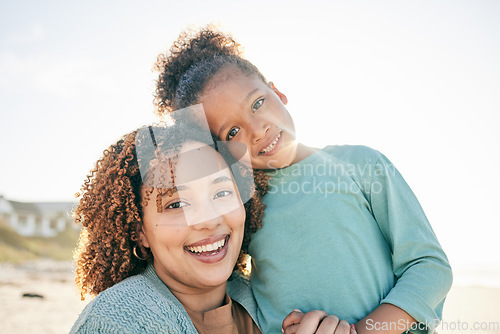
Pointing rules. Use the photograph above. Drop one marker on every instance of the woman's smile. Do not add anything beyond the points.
(207, 251)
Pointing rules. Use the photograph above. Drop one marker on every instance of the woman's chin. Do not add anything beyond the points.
(216, 274)
(214, 280)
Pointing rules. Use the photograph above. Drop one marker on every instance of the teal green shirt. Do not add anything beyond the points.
(343, 232)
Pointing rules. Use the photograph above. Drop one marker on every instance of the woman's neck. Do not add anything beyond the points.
(201, 300)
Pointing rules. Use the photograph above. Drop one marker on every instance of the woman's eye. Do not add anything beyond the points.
(176, 205)
(232, 133)
(257, 104)
(223, 193)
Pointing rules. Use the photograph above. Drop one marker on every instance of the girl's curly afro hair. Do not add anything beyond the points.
(194, 58)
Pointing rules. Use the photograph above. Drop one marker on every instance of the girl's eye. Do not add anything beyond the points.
(176, 205)
(257, 104)
(223, 193)
(232, 133)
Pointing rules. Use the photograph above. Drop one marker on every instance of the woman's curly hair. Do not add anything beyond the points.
(110, 211)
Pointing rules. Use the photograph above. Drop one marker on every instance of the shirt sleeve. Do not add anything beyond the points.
(423, 273)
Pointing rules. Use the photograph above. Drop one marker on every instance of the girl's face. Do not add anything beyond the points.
(245, 109)
(196, 239)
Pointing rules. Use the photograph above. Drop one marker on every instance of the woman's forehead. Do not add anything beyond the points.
(194, 161)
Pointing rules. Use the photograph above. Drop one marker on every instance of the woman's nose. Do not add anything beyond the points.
(204, 218)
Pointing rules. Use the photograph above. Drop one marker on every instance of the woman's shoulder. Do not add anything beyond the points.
(132, 306)
(125, 292)
(238, 280)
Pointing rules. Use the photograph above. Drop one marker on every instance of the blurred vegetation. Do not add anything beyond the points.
(15, 248)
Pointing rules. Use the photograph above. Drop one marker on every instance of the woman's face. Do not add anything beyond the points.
(196, 239)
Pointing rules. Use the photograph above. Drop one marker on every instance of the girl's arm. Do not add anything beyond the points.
(420, 266)
(386, 319)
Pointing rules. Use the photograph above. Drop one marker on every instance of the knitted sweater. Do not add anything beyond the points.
(143, 304)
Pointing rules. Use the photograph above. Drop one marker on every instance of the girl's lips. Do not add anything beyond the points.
(209, 256)
(274, 145)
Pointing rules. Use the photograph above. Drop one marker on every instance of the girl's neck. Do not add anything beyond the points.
(201, 300)
(303, 152)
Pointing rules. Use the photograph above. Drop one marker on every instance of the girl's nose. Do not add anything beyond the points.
(259, 127)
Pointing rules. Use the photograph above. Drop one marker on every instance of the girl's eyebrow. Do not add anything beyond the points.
(250, 94)
(224, 126)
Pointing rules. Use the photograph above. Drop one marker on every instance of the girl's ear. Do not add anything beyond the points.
(280, 94)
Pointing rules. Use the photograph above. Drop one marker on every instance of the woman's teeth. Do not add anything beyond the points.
(272, 145)
(215, 247)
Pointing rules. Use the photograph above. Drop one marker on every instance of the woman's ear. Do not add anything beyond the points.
(143, 239)
(282, 96)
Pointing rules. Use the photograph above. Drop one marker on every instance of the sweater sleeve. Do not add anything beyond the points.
(422, 271)
(135, 305)
(95, 320)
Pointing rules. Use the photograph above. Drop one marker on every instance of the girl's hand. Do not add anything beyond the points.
(316, 321)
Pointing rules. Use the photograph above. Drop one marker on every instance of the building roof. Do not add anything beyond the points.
(24, 207)
(40, 207)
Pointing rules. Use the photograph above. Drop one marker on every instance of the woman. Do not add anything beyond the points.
(163, 225)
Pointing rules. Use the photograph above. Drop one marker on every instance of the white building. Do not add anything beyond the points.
(37, 219)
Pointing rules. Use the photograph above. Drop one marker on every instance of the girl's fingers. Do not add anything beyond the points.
(311, 321)
(291, 329)
(343, 328)
(316, 321)
(294, 318)
(353, 329)
(328, 325)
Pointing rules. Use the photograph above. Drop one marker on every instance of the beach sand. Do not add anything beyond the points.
(54, 313)
(466, 306)
(471, 309)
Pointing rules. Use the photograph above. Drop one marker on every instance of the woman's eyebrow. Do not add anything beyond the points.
(173, 190)
(222, 179)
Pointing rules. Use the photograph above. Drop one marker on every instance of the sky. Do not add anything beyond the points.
(417, 80)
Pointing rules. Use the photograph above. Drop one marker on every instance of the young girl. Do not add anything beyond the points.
(342, 231)
(163, 224)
